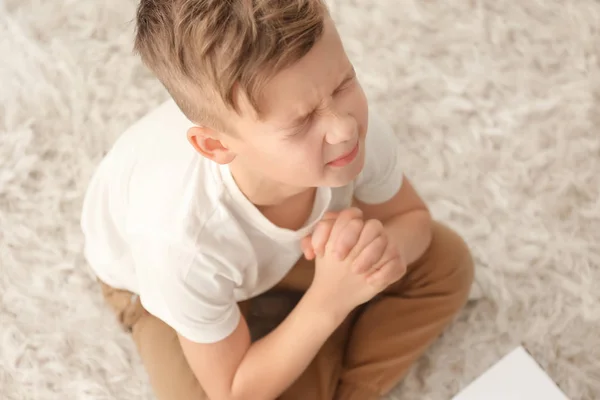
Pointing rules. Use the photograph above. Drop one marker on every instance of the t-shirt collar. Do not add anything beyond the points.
(250, 213)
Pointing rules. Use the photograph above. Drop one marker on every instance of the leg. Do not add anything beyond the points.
(394, 330)
(320, 379)
(158, 347)
(169, 373)
(163, 357)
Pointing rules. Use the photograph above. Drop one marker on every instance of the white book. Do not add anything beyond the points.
(517, 376)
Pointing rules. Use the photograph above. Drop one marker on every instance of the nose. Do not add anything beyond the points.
(341, 128)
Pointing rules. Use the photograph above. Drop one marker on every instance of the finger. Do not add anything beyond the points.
(348, 238)
(320, 236)
(372, 229)
(389, 273)
(370, 256)
(323, 230)
(307, 248)
(340, 223)
(390, 253)
(330, 215)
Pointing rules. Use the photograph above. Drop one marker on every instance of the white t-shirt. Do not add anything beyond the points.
(164, 222)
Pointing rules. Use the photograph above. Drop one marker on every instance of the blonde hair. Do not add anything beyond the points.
(203, 50)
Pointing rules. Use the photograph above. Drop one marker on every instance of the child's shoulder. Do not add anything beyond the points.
(154, 176)
(382, 173)
(159, 135)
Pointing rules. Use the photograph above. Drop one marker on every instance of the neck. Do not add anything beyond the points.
(263, 192)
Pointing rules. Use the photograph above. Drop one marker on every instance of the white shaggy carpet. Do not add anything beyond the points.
(497, 103)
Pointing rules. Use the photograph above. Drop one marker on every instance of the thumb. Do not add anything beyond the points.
(307, 248)
(316, 241)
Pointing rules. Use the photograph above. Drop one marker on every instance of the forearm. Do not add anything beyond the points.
(411, 231)
(277, 360)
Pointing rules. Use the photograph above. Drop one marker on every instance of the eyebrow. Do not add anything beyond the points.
(299, 119)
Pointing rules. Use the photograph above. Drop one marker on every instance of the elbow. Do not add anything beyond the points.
(246, 392)
(428, 227)
(246, 396)
(250, 392)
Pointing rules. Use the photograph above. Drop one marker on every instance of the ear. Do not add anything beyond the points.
(206, 142)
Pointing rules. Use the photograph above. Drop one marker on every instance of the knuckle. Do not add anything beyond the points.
(401, 273)
(347, 240)
(356, 211)
(329, 215)
(374, 225)
(360, 266)
(380, 283)
(401, 269)
(324, 224)
(374, 252)
(371, 259)
(356, 225)
(316, 235)
(381, 243)
(378, 223)
(391, 252)
(350, 212)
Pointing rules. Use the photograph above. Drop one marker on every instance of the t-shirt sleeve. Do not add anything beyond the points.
(382, 175)
(190, 290)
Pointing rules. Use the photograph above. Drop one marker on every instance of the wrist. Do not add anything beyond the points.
(411, 233)
(323, 309)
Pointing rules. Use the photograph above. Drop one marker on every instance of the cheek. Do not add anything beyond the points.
(308, 153)
(301, 157)
(361, 110)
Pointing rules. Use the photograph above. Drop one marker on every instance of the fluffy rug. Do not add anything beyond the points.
(497, 104)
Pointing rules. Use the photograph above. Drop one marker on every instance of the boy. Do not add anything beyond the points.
(281, 159)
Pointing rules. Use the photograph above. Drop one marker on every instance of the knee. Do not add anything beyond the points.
(452, 261)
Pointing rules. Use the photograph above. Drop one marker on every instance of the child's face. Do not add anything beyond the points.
(314, 113)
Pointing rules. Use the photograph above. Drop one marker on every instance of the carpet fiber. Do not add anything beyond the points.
(497, 104)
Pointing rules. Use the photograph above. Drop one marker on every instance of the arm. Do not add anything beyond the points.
(193, 294)
(406, 220)
(236, 369)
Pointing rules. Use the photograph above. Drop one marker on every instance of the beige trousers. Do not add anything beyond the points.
(362, 360)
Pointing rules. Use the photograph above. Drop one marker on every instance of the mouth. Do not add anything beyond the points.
(346, 158)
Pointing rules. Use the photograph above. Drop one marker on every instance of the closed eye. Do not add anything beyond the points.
(345, 85)
(301, 128)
